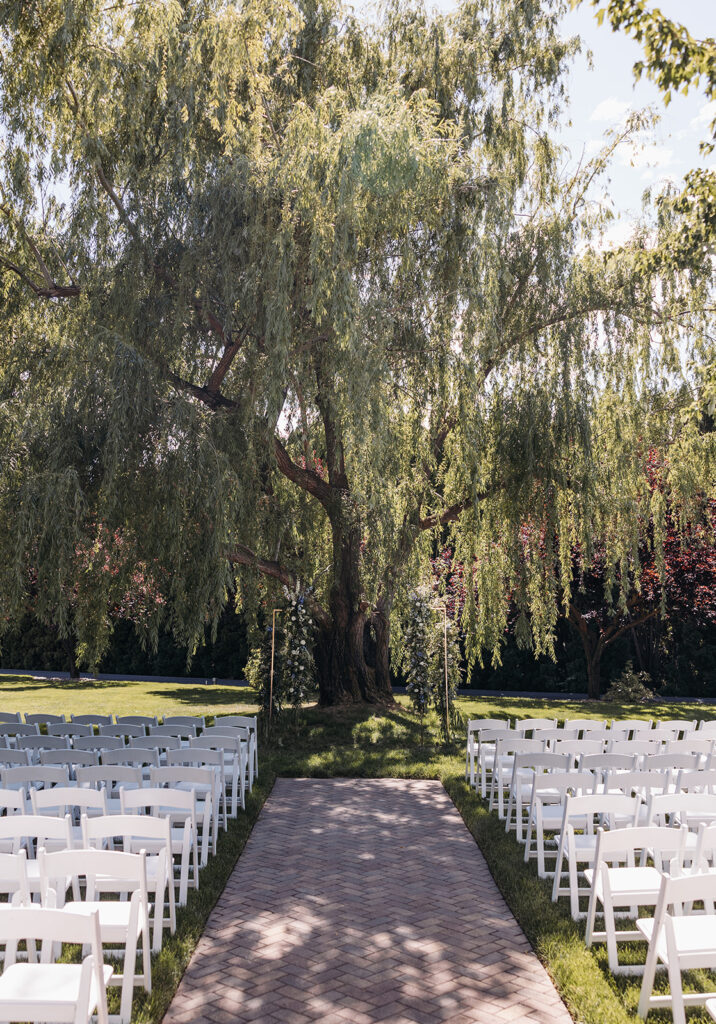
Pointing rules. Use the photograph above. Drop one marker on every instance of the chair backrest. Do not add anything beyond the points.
(617, 808)
(551, 736)
(95, 866)
(35, 775)
(145, 720)
(157, 742)
(42, 718)
(136, 756)
(588, 724)
(42, 828)
(705, 852)
(514, 743)
(707, 725)
(123, 730)
(474, 724)
(681, 726)
(665, 735)
(541, 761)
(130, 827)
(10, 716)
(197, 721)
(639, 782)
(632, 725)
(555, 784)
(14, 727)
(110, 777)
(92, 719)
(689, 809)
(703, 781)
(657, 762)
(62, 800)
(524, 725)
(159, 800)
(69, 729)
(694, 744)
(43, 743)
(175, 774)
(10, 758)
(250, 721)
(98, 743)
(227, 730)
(635, 746)
(576, 747)
(622, 844)
(69, 757)
(176, 730)
(196, 756)
(225, 741)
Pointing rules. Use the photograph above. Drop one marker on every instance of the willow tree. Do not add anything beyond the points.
(285, 296)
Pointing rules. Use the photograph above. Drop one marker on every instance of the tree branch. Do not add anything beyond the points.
(242, 555)
(307, 479)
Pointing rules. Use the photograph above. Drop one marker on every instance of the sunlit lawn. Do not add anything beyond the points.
(360, 742)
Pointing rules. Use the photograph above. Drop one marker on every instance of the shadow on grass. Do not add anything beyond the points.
(209, 694)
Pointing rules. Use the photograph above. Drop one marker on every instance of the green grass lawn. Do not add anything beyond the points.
(359, 743)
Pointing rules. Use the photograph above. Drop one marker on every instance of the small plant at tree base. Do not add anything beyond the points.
(416, 655)
(630, 687)
(449, 717)
(299, 667)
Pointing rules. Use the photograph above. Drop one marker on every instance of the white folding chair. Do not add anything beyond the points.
(206, 783)
(160, 742)
(547, 811)
(485, 754)
(583, 725)
(177, 730)
(639, 783)
(681, 941)
(47, 991)
(695, 744)
(123, 923)
(639, 746)
(205, 757)
(137, 832)
(701, 781)
(577, 840)
(578, 748)
(73, 800)
(526, 769)
(10, 716)
(198, 722)
(28, 831)
(249, 722)
(12, 729)
(632, 726)
(178, 806)
(551, 737)
(683, 727)
(676, 809)
(673, 762)
(71, 758)
(474, 726)
(506, 748)
(235, 757)
(622, 878)
(707, 726)
(35, 744)
(39, 776)
(246, 749)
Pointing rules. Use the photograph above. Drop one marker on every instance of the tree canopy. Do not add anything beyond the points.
(286, 296)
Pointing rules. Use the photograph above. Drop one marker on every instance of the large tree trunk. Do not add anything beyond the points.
(352, 652)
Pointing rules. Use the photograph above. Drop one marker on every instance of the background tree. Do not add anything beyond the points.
(291, 296)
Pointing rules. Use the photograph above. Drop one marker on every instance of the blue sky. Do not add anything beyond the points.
(600, 97)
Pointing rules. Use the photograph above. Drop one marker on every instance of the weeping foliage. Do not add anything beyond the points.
(287, 294)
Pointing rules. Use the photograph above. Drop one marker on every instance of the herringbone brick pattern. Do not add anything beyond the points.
(358, 902)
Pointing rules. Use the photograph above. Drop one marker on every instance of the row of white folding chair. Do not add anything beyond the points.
(50, 991)
(662, 809)
(94, 718)
(123, 922)
(681, 940)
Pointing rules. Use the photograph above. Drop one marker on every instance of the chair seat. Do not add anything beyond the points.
(113, 917)
(695, 936)
(22, 985)
(638, 885)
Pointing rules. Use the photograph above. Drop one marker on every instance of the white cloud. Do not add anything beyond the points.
(704, 117)
(610, 110)
(650, 155)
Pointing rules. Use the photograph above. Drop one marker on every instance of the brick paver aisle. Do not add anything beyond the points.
(357, 901)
